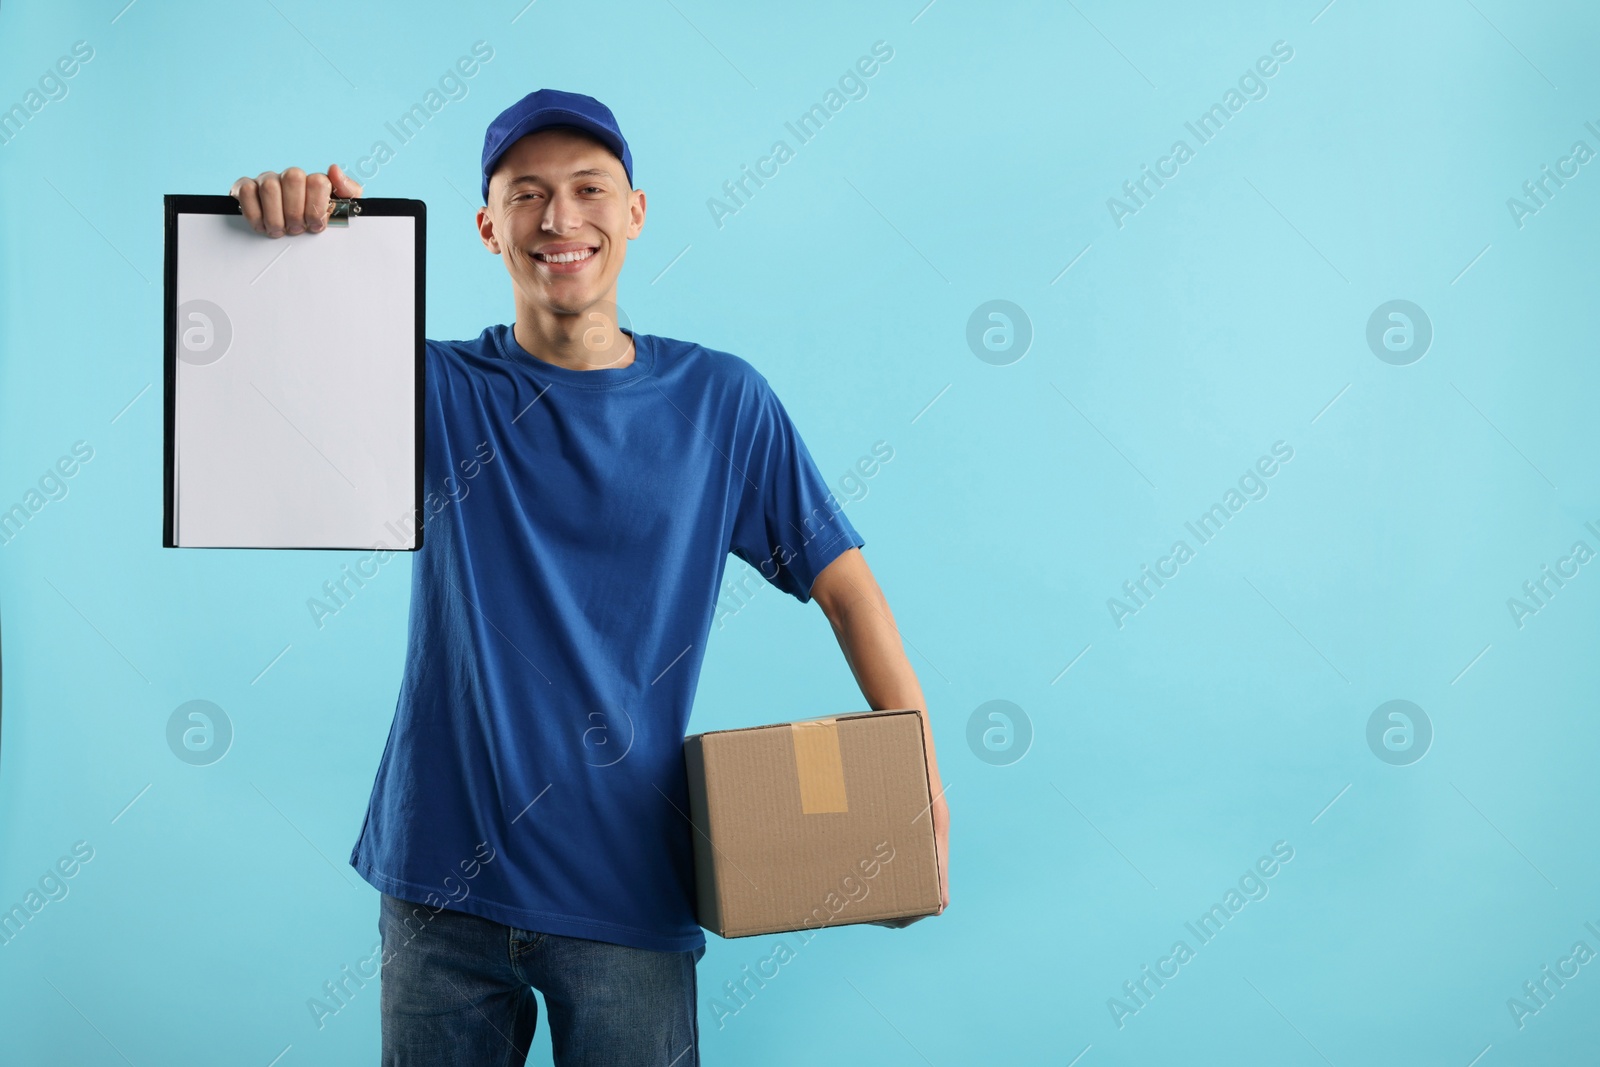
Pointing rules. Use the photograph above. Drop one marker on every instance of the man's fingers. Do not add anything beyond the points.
(244, 191)
(293, 181)
(316, 211)
(292, 202)
(271, 192)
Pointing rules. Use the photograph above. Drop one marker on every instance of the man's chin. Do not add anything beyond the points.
(569, 307)
(561, 299)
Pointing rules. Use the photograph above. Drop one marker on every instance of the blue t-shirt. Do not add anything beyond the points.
(577, 524)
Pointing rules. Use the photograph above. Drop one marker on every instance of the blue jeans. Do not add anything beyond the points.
(455, 991)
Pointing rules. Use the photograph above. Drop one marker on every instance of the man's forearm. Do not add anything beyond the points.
(872, 647)
(859, 613)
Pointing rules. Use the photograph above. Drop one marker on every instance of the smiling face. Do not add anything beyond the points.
(560, 216)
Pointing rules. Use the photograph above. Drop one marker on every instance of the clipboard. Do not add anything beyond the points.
(294, 374)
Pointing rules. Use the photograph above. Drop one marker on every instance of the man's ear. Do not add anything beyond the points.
(486, 233)
(636, 211)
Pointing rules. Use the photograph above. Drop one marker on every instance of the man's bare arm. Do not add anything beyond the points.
(859, 613)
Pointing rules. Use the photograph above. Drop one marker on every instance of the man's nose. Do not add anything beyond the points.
(561, 216)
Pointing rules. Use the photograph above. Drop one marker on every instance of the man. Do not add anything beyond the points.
(528, 823)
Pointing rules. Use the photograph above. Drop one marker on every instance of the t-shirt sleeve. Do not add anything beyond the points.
(789, 525)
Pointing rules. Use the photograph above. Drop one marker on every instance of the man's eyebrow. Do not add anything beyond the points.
(587, 172)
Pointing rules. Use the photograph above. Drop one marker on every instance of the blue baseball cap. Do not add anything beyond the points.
(552, 107)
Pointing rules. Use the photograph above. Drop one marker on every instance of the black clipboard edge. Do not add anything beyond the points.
(175, 204)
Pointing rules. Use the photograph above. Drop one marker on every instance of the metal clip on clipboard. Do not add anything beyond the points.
(341, 209)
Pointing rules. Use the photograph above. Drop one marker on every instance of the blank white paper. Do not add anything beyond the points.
(301, 433)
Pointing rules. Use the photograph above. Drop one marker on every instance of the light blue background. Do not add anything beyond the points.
(1223, 317)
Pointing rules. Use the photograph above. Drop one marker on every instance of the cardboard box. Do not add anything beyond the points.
(821, 822)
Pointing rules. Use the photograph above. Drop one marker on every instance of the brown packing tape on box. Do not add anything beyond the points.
(819, 766)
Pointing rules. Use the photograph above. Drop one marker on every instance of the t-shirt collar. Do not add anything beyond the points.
(644, 358)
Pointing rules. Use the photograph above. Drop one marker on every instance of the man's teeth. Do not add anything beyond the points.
(566, 257)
